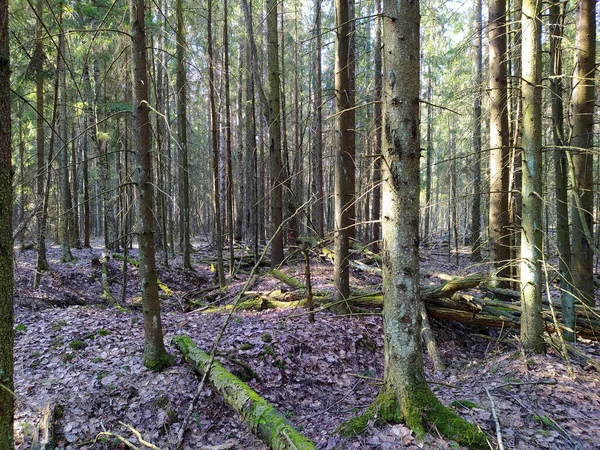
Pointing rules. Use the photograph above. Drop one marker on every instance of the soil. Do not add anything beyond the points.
(75, 350)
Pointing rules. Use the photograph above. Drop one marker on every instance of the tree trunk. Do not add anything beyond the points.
(582, 158)
(405, 394)
(557, 20)
(274, 119)
(155, 355)
(344, 152)
(317, 213)
(6, 243)
(39, 91)
(63, 151)
(260, 416)
(532, 326)
(376, 214)
(499, 135)
(476, 205)
(182, 135)
(228, 143)
(428, 158)
(215, 151)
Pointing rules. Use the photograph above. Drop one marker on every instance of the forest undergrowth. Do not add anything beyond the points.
(74, 350)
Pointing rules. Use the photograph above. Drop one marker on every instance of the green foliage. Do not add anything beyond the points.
(20, 327)
(464, 404)
(76, 344)
(57, 326)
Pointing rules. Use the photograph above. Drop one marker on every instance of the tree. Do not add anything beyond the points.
(532, 325)
(582, 158)
(376, 213)
(476, 205)
(405, 395)
(6, 243)
(344, 151)
(557, 18)
(155, 355)
(499, 139)
(274, 119)
(182, 135)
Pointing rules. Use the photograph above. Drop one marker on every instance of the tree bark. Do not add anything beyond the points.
(376, 214)
(228, 143)
(499, 141)
(155, 355)
(582, 157)
(344, 152)
(476, 205)
(557, 20)
(532, 326)
(259, 416)
(274, 119)
(6, 243)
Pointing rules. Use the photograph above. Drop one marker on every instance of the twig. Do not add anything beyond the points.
(495, 416)
(139, 436)
(523, 383)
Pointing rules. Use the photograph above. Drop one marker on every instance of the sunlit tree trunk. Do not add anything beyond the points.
(317, 213)
(582, 158)
(214, 124)
(557, 20)
(182, 135)
(428, 161)
(155, 355)
(499, 140)
(6, 243)
(476, 205)
(344, 153)
(532, 326)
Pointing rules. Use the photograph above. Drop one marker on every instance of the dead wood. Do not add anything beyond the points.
(259, 415)
(43, 435)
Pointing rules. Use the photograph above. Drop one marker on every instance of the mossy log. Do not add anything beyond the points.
(260, 416)
(287, 279)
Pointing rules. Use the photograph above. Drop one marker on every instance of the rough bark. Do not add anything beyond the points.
(405, 394)
(532, 326)
(182, 134)
(499, 141)
(317, 212)
(344, 152)
(557, 19)
(6, 243)
(376, 213)
(155, 355)
(274, 120)
(476, 205)
(582, 158)
(259, 416)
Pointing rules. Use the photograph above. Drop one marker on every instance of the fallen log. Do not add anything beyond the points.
(43, 436)
(260, 416)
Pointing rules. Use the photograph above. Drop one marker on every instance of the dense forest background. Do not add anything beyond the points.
(172, 151)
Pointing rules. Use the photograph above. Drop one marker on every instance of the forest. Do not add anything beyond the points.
(299, 224)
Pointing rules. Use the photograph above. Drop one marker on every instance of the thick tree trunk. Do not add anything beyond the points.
(405, 394)
(499, 141)
(344, 152)
(476, 205)
(6, 243)
(532, 325)
(557, 20)
(274, 119)
(155, 355)
(259, 416)
(582, 157)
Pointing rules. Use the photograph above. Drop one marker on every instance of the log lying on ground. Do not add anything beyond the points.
(43, 436)
(259, 415)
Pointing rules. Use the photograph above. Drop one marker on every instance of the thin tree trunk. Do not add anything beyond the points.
(428, 158)
(243, 181)
(182, 135)
(499, 135)
(582, 158)
(215, 151)
(532, 326)
(344, 153)
(7, 335)
(228, 143)
(376, 216)
(557, 20)
(155, 355)
(39, 88)
(476, 205)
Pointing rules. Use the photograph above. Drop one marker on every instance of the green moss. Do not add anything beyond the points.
(158, 362)
(246, 346)
(464, 404)
(76, 344)
(56, 326)
(20, 327)
(161, 401)
(543, 420)
(385, 408)
(266, 337)
(103, 332)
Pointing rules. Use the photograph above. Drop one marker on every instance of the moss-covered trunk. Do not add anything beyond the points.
(260, 416)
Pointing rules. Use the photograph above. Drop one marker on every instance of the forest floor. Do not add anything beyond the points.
(75, 350)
